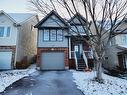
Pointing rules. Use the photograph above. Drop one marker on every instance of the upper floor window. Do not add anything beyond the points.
(8, 32)
(1, 31)
(4, 31)
(124, 38)
(52, 35)
(46, 35)
(59, 35)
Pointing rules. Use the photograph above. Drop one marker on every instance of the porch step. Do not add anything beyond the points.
(81, 65)
(80, 61)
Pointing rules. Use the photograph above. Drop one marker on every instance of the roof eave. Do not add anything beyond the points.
(48, 15)
(2, 12)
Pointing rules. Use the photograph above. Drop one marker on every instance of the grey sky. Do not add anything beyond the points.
(14, 6)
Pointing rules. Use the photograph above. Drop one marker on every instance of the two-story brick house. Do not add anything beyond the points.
(57, 46)
(52, 45)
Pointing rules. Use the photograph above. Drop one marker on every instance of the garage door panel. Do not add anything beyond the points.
(5, 60)
(52, 61)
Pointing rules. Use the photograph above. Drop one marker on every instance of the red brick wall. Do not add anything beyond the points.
(56, 49)
(9, 48)
(13, 48)
(72, 64)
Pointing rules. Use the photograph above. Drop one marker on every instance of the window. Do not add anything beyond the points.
(46, 35)
(1, 31)
(124, 38)
(8, 32)
(53, 35)
(5, 31)
(59, 35)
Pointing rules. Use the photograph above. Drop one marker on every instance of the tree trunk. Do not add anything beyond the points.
(99, 70)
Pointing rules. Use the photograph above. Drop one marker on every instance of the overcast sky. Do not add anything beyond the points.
(14, 6)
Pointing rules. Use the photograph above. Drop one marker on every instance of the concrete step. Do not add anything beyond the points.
(81, 61)
(81, 65)
(80, 69)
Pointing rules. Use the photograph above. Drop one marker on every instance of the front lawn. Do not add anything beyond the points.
(111, 86)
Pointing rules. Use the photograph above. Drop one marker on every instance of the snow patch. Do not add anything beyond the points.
(111, 86)
(9, 77)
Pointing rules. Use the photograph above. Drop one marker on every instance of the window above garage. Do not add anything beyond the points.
(52, 35)
(4, 31)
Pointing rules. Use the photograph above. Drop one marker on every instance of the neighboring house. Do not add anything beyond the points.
(56, 48)
(116, 52)
(17, 38)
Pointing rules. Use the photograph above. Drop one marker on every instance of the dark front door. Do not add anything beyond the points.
(78, 50)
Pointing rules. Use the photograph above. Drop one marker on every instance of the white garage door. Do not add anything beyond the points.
(52, 61)
(5, 60)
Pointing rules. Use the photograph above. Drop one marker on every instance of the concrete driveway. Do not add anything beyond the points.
(45, 83)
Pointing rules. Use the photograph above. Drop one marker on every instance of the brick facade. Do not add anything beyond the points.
(11, 49)
(56, 49)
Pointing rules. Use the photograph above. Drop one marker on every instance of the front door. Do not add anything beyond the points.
(78, 50)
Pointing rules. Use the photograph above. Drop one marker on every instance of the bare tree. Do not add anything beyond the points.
(106, 16)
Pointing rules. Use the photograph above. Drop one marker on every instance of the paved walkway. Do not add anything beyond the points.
(45, 83)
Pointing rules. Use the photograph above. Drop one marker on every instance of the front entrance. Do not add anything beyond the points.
(78, 49)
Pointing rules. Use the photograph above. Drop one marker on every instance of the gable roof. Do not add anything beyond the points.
(49, 15)
(18, 18)
(78, 16)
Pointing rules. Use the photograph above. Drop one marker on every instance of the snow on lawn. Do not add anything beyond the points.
(111, 86)
(9, 77)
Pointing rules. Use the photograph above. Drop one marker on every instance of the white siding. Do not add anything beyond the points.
(41, 43)
(8, 41)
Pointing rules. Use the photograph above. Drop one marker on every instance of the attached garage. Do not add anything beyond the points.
(5, 60)
(52, 61)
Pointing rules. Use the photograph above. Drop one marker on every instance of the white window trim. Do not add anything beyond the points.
(51, 36)
(60, 36)
(56, 40)
(5, 31)
(44, 31)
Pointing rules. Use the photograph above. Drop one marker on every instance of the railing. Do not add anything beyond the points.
(72, 55)
(86, 55)
(85, 59)
(89, 54)
(76, 61)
